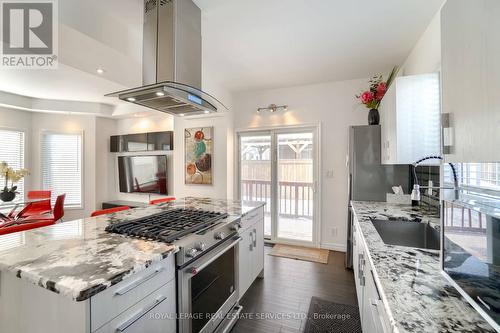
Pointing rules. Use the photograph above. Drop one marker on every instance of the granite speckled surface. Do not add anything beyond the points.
(79, 259)
(416, 296)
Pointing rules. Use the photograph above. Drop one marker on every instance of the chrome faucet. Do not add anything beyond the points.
(453, 169)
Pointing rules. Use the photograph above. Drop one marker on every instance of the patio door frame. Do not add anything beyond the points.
(273, 132)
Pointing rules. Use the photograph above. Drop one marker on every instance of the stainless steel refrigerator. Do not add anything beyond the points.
(369, 180)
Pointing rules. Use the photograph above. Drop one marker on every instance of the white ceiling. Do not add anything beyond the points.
(260, 44)
(247, 45)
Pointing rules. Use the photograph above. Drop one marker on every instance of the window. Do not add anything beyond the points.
(12, 152)
(62, 166)
(476, 175)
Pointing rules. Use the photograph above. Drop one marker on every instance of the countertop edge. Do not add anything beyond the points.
(388, 310)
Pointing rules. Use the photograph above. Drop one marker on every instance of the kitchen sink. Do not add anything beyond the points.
(405, 233)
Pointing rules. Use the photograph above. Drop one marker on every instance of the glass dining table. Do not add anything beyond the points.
(10, 212)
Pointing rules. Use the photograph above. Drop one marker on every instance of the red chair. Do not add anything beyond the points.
(55, 216)
(162, 200)
(109, 211)
(39, 207)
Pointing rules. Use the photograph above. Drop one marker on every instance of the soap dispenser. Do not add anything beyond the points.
(415, 195)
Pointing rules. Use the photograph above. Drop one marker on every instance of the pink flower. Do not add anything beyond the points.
(381, 90)
(366, 97)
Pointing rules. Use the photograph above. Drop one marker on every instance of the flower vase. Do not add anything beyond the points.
(7, 196)
(373, 117)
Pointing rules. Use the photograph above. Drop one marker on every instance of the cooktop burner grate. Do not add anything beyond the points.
(167, 226)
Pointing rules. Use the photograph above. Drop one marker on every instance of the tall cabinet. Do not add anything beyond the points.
(470, 42)
(409, 116)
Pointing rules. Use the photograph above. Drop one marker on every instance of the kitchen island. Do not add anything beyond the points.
(76, 277)
(410, 294)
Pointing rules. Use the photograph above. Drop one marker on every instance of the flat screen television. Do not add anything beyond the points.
(143, 174)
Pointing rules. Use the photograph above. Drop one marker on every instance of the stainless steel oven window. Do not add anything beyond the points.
(208, 289)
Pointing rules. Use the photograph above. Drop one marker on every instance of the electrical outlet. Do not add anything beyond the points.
(334, 232)
(329, 173)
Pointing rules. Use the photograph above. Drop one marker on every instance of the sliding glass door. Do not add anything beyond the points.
(279, 167)
(295, 168)
(255, 173)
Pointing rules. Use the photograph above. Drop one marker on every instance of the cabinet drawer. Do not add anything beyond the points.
(251, 218)
(154, 314)
(111, 302)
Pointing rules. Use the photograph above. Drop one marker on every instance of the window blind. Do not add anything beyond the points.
(12, 152)
(62, 166)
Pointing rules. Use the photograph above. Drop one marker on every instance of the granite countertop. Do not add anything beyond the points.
(79, 259)
(416, 296)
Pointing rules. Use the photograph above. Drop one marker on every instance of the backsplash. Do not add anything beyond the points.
(424, 174)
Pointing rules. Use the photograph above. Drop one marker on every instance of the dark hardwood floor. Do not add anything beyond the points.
(280, 301)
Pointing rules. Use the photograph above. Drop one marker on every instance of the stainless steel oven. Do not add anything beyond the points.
(208, 289)
(471, 252)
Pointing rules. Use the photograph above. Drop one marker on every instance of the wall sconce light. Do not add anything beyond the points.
(273, 108)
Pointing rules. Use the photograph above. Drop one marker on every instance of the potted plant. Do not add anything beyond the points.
(14, 176)
(374, 95)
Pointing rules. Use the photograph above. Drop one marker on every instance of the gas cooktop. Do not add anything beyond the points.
(169, 225)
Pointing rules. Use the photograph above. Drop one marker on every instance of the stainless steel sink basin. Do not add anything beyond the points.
(411, 234)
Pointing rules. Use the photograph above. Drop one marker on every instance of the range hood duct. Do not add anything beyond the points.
(171, 61)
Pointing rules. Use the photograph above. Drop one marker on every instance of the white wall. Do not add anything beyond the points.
(33, 124)
(222, 162)
(222, 166)
(425, 57)
(105, 161)
(19, 120)
(332, 105)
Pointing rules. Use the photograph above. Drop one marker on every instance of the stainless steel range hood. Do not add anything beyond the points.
(172, 61)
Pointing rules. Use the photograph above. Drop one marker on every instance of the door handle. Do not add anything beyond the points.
(215, 257)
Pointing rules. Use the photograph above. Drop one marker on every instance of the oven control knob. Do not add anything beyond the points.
(200, 246)
(219, 236)
(190, 253)
(236, 226)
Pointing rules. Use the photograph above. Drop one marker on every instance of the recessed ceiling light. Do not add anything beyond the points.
(181, 114)
(131, 99)
(100, 71)
(206, 111)
(160, 93)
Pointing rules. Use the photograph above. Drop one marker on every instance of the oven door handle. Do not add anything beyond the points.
(199, 268)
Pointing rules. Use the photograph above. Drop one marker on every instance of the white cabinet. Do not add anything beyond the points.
(470, 51)
(410, 119)
(153, 314)
(358, 266)
(251, 250)
(374, 317)
(144, 302)
(371, 307)
(111, 302)
(245, 259)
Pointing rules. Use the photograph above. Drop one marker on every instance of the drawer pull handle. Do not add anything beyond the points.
(138, 282)
(140, 314)
(255, 237)
(376, 287)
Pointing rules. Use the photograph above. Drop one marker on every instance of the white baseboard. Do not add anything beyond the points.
(334, 247)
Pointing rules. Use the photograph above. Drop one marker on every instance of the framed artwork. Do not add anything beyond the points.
(198, 152)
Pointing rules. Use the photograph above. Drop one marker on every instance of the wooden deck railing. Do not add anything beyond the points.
(296, 199)
(460, 218)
